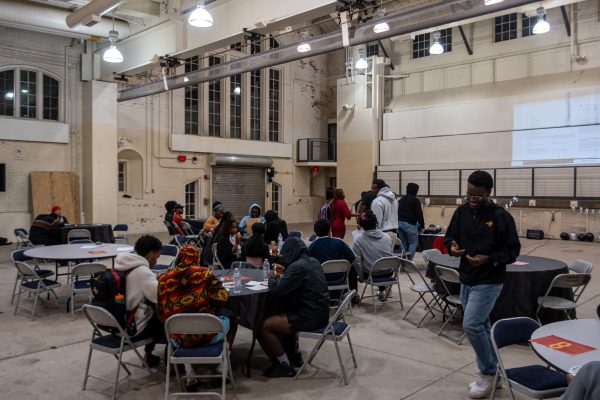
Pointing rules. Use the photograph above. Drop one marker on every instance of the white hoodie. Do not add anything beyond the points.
(385, 208)
(141, 285)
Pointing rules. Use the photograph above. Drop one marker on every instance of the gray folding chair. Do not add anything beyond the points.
(81, 279)
(216, 262)
(575, 282)
(336, 330)
(377, 277)
(421, 287)
(75, 234)
(121, 233)
(168, 255)
(18, 255)
(337, 267)
(32, 283)
(450, 275)
(218, 353)
(115, 345)
(581, 267)
(426, 254)
(22, 238)
(244, 265)
(189, 234)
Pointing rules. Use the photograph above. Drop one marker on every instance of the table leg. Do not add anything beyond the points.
(249, 356)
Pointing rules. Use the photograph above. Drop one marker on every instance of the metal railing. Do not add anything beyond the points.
(316, 150)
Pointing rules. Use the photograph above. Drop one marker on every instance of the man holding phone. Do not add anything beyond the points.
(484, 236)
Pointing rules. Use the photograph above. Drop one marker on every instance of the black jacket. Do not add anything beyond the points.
(488, 231)
(410, 210)
(224, 253)
(273, 229)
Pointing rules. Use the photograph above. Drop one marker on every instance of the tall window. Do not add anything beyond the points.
(20, 90)
(255, 100)
(505, 27)
(273, 43)
(214, 101)
(28, 94)
(372, 49)
(423, 42)
(237, 46)
(255, 44)
(191, 100)
(235, 112)
(274, 103)
(122, 178)
(528, 24)
(7, 92)
(50, 105)
(276, 198)
(191, 199)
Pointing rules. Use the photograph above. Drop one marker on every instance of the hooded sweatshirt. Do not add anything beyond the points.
(141, 285)
(242, 224)
(385, 208)
(369, 247)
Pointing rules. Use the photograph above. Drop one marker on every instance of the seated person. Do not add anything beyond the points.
(326, 248)
(189, 288)
(585, 385)
(301, 282)
(228, 242)
(274, 227)
(178, 219)
(169, 206)
(140, 296)
(40, 231)
(255, 251)
(213, 221)
(252, 217)
(370, 246)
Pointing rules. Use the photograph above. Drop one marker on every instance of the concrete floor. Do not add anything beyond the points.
(45, 358)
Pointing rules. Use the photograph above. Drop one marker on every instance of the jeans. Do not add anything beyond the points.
(409, 236)
(478, 302)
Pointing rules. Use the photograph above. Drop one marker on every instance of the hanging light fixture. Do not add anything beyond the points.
(436, 47)
(490, 2)
(304, 46)
(112, 54)
(200, 17)
(381, 26)
(541, 26)
(362, 61)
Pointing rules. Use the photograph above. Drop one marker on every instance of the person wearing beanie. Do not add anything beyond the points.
(41, 228)
(410, 213)
(213, 221)
(385, 208)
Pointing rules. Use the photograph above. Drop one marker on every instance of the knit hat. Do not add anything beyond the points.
(55, 209)
(189, 256)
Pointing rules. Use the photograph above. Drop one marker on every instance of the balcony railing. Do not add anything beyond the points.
(316, 150)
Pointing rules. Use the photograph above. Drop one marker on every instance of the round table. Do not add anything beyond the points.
(582, 331)
(248, 275)
(522, 286)
(99, 232)
(80, 251)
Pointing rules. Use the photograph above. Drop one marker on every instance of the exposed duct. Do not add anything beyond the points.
(239, 161)
(400, 24)
(94, 8)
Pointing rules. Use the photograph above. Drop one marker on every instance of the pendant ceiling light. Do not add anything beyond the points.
(436, 47)
(112, 54)
(200, 17)
(304, 46)
(381, 26)
(362, 61)
(541, 26)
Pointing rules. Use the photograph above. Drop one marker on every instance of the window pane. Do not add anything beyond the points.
(255, 100)
(421, 45)
(372, 49)
(275, 198)
(190, 199)
(505, 27)
(235, 92)
(7, 92)
(274, 103)
(255, 45)
(122, 176)
(214, 102)
(191, 100)
(28, 93)
(446, 40)
(50, 98)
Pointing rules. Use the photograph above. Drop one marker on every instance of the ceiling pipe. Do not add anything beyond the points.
(400, 24)
(94, 7)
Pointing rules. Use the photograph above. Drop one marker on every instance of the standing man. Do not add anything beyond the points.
(484, 236)
(410, 213)
(385, 208)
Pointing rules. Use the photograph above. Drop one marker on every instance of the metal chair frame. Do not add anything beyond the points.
(445, 274)
(74, 234)
(86, 270)
(18, 255)
(216, 262)
(383, 265)
(581, 267)
(121, 228)
(168, 250)
(244, 264)
(22, 239)
(338, 266)
(421, 287)
(29, 277)
(576, 282)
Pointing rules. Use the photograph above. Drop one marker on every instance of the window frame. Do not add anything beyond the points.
(191, 127)
(276, 198)
(496, 24)
(428, 41)
(195, 203)
(124, 174)
(221, 102)
(279, 111)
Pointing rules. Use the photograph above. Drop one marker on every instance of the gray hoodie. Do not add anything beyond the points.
(385, 208)
(369, 247)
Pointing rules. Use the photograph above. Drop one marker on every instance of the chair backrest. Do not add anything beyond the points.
(411, 268)
(296, 234)
(187, 228)
(26, 269)
(169, 250)
(581, 267)
(170, 228)
(244, 264)
(78, 234)
(87, 269)
(339, 312)
(19, 255)
(21, 233)
(216, 260)
(385, 264)
(426, 254)
(447, 274)
(575, 281)
(334, 266)
(193, 323)
(78, 241)
(98, 316)
(180, 240)
(518, 330)
(121, 228)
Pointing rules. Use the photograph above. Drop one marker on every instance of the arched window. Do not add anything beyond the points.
(130, 173)
(29, 93)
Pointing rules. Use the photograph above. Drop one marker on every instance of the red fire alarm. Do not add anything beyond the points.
(181, 158)
(315, 169)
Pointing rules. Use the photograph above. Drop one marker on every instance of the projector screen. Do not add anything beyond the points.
(557, 132)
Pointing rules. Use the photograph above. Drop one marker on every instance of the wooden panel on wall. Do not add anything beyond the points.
(56, 188)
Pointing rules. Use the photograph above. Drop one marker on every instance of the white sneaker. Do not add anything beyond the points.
(482, 387)
(498, 384)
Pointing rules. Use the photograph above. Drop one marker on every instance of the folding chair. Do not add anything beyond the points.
(337, 267)
(121, 228)
(576, 282)
(180, 240)
(35, 285)
(244, 265)
(78, 234)
(172, 231)
(22, 238)
(445, 274)
(18, 255)
(189, 234)
(111, 344)
(218, 353)
(420, 286)
(375, 279)
(336, 330)
(81, 281)
(581, 267)
(168, 255)
(427, 254)
(216, 262)
(534, 381)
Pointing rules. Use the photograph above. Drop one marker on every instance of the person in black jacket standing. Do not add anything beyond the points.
(485, 238)
(410, 213)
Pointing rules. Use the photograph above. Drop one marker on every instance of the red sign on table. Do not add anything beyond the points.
(564, 345)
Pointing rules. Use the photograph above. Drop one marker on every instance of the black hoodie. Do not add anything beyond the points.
(409, 206)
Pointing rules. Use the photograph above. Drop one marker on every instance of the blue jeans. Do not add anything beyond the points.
(409, 236)
(478, 302)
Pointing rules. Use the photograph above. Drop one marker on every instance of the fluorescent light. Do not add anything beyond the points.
(9, 95)
(436, 47)
(490, 2)
(381, 27)
(362, 61)
(200, 18)
(541, 26)
(112, 54)
(303, 47)
(237, 90)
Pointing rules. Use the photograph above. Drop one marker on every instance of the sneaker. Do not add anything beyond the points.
(482, 387)
(296, 360)
(498, 384)
(280, 371)
(381, 296)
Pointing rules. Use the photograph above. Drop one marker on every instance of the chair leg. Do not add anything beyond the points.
(18, 298)
(116, 382)
(72, 305)
(87, 369)
(373, 296)
(400, 295)
(342, 367)
(229, 366)
(12, 298)
(35, 299)
(224, 367)
(495, 383)
(352, 351)
(168, 372)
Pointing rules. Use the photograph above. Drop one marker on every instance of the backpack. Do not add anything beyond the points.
(109, 290)
(325, 211)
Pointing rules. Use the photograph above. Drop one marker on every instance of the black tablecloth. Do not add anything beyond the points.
(522, 287)
(100, 232)
(426, 241)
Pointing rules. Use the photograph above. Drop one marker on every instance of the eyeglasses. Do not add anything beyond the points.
(474, 197)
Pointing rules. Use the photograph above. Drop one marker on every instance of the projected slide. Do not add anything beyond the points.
(557, 132)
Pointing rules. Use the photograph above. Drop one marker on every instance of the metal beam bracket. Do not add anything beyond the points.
(465, 41)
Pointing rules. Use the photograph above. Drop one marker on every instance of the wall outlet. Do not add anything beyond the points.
(458, 202)
(573, 203)
(531, 203)
(427, 201)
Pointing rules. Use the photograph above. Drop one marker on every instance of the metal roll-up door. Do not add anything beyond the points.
(238, 188)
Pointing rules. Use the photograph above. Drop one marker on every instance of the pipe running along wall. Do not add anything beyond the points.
(400, 24)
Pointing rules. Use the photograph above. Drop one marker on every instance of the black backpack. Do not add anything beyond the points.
(109, 290)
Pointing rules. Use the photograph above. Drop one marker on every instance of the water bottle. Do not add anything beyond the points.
(280, 241)
(266, 269)
(237, 281)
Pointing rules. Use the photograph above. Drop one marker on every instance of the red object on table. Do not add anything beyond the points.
(97, 252)
(564, 345)
(230, 278)
(438, 243)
